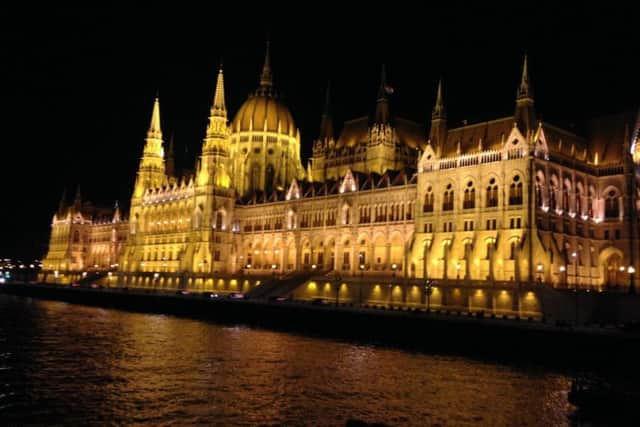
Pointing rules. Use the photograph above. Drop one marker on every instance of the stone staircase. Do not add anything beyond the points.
(281, 287)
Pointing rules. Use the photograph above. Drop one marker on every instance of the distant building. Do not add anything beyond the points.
(512, 199)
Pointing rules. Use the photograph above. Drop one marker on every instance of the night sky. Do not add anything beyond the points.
(78, 83)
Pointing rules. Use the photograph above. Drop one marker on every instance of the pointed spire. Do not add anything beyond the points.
(116, 213)
(219, 108)
(266, 79)
(438, 110)
(525, 114)
(154, 128)
(382, 106)
(525, 90)
(326, 123)
(438, 132)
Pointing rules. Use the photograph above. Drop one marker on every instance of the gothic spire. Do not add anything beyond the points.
(438, 132)
(219, 108)
(154, 127)
(525, 114)
(266, 79)
(438, 110)
(525, 90)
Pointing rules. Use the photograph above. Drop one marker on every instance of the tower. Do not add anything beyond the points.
(214, 164)
(151, 172)
(381, 146)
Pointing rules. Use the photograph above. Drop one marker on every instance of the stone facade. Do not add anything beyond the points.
(512, 200)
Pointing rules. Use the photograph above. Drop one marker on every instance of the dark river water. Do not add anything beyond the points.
(70, 364)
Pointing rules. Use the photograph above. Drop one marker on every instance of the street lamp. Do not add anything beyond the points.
(632, 286)
(574, 255)
(273, 271)
(539, 268)
(428, 290)
(338, 280)
(361, 281)
(394, 267)
(562, 277)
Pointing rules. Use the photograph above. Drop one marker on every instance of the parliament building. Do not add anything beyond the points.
(510, 200)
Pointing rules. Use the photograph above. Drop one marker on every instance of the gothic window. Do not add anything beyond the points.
(447, 201)
(552, 197)
(538, 192)
(469, 201)
(428, 200)
(492, 194)
(515, 191)
(579, 203)
(611, 209)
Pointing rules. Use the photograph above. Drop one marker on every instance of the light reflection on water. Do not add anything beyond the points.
(64, 363)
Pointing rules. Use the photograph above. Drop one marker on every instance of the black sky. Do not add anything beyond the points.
(78, 83)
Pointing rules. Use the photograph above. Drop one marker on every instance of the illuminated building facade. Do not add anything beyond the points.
(510, 200)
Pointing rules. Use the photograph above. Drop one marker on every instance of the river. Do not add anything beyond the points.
(70, 364)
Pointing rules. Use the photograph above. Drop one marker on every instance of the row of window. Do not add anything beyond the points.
(469, 196)
(469, 225)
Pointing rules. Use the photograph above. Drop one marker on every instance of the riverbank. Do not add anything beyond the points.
(523, 340)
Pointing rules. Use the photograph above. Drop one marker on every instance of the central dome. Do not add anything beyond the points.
(265, 143)
(265, 113)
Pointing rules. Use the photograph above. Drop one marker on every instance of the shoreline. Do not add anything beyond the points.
(518, 340)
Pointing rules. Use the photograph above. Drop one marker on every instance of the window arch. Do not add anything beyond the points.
(538, 191)
(428, 200)
(579, 196)
(611, 205)
(469, 201)
(552, 194)
(492, 193)
(565, 195)
(515, 191)
(447, 201)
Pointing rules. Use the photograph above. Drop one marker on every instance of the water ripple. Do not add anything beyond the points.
(67, 364)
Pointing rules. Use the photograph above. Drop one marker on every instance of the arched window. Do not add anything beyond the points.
(565, 196)
(76, 236)
(447, 201)
(469, 196)
(428, 201)
(538, 192)
(579, 195)
(611, 208)
(552, 197)
(515, 191)
(492, 194)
